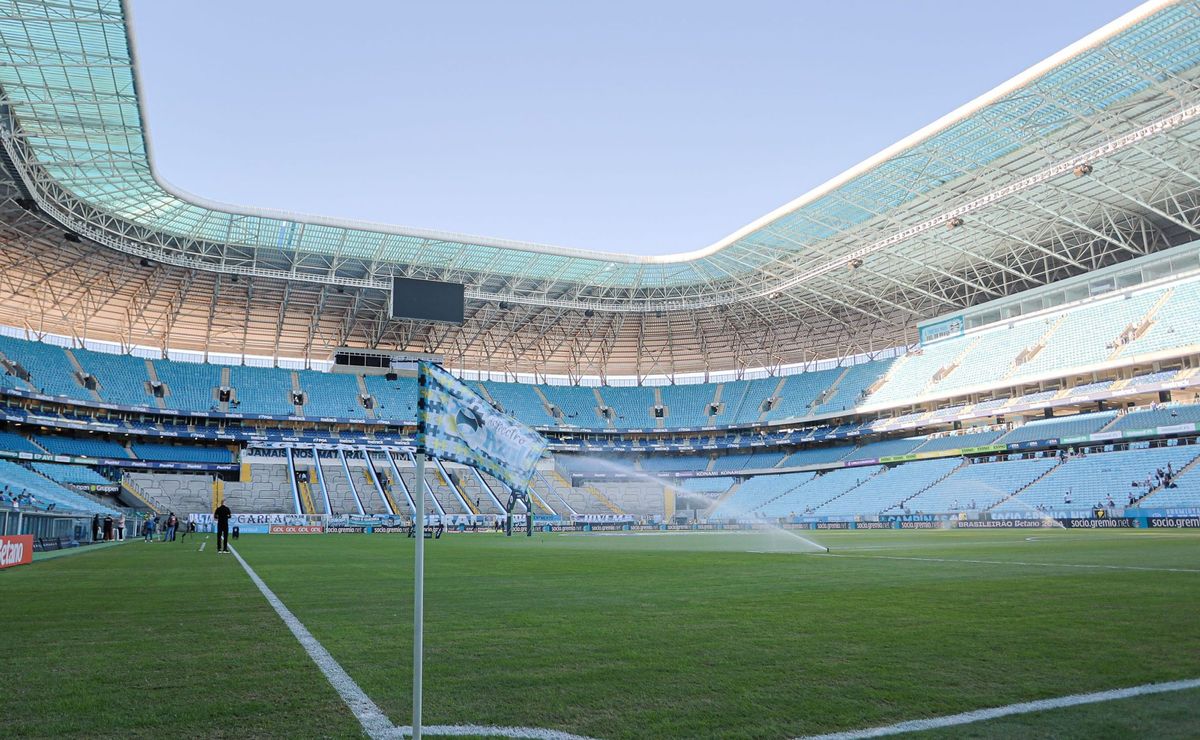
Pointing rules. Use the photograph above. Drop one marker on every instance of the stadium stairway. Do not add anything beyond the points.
(1136, 331)
(445, 500)
(603, 499)
(848, 490)
(364, 393)
(1028, 354)
(548, 491)
(81, 373)
(1178, 474)
(306, 499)
(453, 486)
(1017, 492)
(336, 485)
(226, 375)
(545, 401)
(962, 465)
(303, 501)
(343, 468)
(476, 489)
(407, 487)
(948, 369)
(371, 475)
(152, 374)
(316, 478)
(721, 500)
(540, 503)
(142, 499)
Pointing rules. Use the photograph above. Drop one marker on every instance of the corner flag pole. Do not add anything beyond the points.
(418, 593)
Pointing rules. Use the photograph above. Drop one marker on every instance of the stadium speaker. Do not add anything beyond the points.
(144, 262)
(589, 313)
(70, 236)
(391, 377)
(25, 203)
(505, 305)
(1047, 413)
(1164, 396)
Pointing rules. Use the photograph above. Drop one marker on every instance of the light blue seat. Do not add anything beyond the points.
(394, 399)
(816, 456)
(757, 491)
(984, 483)
(522, 401)
(821, 490)
(889, 487)
(330, 394)
(960, 441)
(16, 443)
(885, 448)
(49, 369)
(687, 405)
(123, 378)
(577, 404)
(82, 446)
(19, 478)
(190, 385)
(181, 453)
(1075, 425)
(1091, 479)
(71, 474)
(262, 390)
(632, 406)
(853, 387)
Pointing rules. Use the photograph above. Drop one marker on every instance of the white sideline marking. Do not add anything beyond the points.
(374, 722)
(980, 715)
(202, 544)
(1015, 562)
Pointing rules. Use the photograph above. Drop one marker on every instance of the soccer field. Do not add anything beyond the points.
(671, 636)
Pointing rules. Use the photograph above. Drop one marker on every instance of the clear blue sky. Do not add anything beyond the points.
(644, 126)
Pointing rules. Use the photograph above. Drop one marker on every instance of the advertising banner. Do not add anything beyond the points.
(1173, 521)
(16, 549)
(1106, 523)
(1005, 523)
(296, 529)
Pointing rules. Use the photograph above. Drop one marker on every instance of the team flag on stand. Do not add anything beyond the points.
(455, 424)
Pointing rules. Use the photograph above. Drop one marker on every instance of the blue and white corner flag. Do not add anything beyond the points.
(455, 424)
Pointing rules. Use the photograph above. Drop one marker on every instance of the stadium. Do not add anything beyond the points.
(914, 453)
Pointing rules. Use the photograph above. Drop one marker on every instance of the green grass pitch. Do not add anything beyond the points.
(663, 636)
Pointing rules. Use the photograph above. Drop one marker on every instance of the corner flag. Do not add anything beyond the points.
(455, 424)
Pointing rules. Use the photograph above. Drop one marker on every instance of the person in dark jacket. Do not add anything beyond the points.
(222, 515)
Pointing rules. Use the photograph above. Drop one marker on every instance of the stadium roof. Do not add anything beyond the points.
(985, 202)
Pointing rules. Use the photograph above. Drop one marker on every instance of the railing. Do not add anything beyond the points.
(75, 526)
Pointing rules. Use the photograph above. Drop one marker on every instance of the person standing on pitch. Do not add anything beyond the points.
(222, 515)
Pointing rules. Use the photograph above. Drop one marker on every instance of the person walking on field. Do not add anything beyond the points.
(222, 515)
